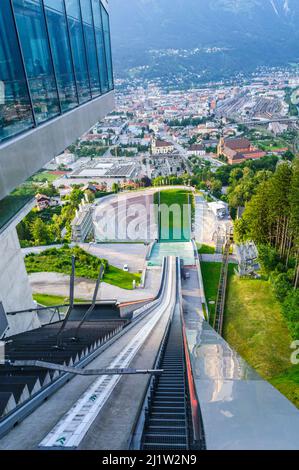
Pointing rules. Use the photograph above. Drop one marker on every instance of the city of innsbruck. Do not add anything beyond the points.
(149, 232)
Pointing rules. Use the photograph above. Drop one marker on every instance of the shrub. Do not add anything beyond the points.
(268, 258)
(281, 286)
(290, 310)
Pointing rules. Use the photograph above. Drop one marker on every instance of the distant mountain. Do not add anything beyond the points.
(242, 33)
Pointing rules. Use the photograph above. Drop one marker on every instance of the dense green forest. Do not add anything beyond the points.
(271, 220)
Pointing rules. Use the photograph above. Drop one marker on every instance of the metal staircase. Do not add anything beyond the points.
(167, 416)
(220, 302)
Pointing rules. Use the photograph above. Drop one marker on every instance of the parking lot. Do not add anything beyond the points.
(119, 254)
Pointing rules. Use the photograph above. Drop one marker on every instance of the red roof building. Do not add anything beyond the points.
(238, 150)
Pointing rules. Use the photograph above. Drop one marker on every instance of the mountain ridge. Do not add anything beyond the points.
(257, 32)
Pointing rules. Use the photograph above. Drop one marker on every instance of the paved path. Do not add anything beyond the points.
(58, 284)
(192, 303)
(217, 258)
(119, 254)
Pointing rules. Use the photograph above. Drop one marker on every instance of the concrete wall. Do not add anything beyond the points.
(24, 155)
(126, 310)
(15, 291)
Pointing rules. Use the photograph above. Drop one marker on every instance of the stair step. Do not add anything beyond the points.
(161, 446)
(170, 438)
(176, 430)
(168, 414)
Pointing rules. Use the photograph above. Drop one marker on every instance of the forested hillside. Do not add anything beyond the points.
(245, 33)
(271, 220)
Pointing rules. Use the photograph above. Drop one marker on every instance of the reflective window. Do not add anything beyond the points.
(15, 110)
(78, 49)
(54, 55)
(59, 41)
(90, 47)
(107, 40)
(100, 45)
(32, 31)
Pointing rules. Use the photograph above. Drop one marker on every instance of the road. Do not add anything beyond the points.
(119, 254)
(268, 121)
(183, 152)
(180, 149)
(58, 284)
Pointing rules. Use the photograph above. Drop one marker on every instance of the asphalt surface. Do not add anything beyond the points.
(58, 284)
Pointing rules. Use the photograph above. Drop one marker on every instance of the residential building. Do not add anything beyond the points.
(57, 81)
(44, 202)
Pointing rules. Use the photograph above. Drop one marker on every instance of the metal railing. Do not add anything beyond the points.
(56, 312)
(220, 302)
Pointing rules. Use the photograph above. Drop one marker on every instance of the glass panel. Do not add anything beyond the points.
(100, 44)
(15, 110)
(90, 47)
(106, 28)
(59, 41)
(78, 48)
(39, 68)
(11, 205)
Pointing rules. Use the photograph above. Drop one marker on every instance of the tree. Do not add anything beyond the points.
(193, 140)
(146, 181)
(290, 310)
(115, 188)
(54, 231)
(223, 158)
(255, 217)
(279, 207)
(243, 184)
(49, 190)
(268, 258)
(288, 155)
(240, 230)
(281, 286)
(271, 216)
(267, 214)
(216, 187)
(90, 195)
(76, 197)
(39, 232)
(294, 217)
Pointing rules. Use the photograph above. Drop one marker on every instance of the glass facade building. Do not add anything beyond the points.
(54, 56)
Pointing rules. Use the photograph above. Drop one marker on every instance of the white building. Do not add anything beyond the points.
(219, 209)
(196, 149)
(161, 146)
(65, 159)
(82, 226)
